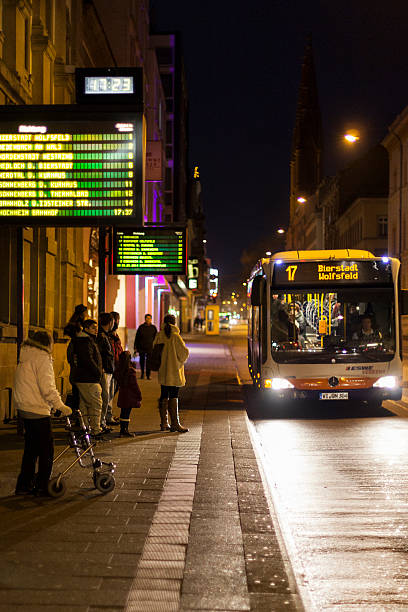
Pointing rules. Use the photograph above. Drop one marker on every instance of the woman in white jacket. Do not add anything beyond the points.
(36, 397)
(171, 373)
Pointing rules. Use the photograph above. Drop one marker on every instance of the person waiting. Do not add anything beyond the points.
(144, 339)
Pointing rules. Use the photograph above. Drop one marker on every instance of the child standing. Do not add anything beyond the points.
(36, 397)
(129, 392)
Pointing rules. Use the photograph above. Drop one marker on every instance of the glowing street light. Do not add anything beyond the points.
(280, 230)
(352, 136)
(268, 253)
(301, 200)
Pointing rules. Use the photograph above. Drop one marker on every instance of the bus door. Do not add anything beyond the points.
(256, 332)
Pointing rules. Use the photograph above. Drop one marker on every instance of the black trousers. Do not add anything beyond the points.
(169, 392)
(39, 444)
(145, 360)
(125, 414)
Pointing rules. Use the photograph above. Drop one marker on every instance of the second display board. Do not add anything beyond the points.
(149, 251)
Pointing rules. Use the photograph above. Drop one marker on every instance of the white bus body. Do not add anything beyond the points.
(324, 325)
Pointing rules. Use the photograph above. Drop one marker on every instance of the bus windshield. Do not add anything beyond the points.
(347, 325)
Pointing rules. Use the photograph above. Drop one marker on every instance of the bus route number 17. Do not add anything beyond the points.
(291, 270)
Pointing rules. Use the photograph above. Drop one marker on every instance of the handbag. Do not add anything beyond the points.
(155, 357)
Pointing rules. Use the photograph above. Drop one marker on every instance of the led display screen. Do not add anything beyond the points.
(108, 85)
(149, 251)
(84, 168)
(339, 272)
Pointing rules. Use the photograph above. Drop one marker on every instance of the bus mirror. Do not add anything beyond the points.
(404, 302)
(257, 290)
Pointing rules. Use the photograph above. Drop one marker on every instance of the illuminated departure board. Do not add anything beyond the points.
(149, 251)
(84, 171)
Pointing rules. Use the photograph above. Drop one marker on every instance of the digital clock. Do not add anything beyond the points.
(109, 85)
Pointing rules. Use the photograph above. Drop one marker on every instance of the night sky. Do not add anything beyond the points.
(243, 62)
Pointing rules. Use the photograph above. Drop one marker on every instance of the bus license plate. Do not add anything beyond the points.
(334, 396)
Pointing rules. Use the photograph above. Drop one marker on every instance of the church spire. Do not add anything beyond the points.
(306, 171)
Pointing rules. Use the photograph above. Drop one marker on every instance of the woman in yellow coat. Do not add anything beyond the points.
(171, 373)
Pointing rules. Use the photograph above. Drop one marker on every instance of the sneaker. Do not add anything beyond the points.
(99, 437)
(23, 491)
(41, 493)
(106, 430)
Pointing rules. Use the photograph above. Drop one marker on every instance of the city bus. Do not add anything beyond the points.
(324, 325)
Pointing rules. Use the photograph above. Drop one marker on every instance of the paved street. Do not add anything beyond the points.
(339, 483)
(188, 526)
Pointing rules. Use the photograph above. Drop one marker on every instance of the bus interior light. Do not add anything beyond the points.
(281, 383)
(388, 382)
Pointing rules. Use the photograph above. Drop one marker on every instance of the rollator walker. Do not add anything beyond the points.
(83, 447)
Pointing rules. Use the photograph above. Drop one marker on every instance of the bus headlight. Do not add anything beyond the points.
(386, 382)
(277, 384)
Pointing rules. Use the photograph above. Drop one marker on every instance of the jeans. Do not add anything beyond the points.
(112, 390)
(169, 392)
(90, 404)
(145, 359)
(39, 444)
(105, 384)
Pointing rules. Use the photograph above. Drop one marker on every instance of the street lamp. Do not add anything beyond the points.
(280, 230)
(301, 200)
(352, 136)
(268, 253)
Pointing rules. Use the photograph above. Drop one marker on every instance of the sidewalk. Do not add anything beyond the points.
(187, 527)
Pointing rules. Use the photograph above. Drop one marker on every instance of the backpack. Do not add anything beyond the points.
(155, 357)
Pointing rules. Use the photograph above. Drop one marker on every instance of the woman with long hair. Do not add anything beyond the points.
(171, 373)
(129, 393)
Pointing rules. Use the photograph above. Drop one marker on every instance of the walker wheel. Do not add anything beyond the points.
(105, 483)
(55, 488)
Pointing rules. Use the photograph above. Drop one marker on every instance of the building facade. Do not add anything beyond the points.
(41, 44)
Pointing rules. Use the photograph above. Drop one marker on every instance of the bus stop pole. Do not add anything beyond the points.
(102, 271)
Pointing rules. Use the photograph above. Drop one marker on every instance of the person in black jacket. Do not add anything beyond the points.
(144, 339)
(86, 374)
(108, 362)
(72, 328)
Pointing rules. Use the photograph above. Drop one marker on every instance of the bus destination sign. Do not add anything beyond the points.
(338, 272)
(149, 251)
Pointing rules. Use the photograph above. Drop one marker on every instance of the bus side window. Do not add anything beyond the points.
(404, 302)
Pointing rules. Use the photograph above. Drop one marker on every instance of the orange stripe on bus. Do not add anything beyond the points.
(323, 383)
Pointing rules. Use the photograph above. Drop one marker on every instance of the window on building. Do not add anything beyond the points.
(382, 225)
(169, 132)
(167, 82)
(169, 179)
(27, 44)
(164, 56)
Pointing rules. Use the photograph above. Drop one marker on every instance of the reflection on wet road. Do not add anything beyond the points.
(339, 479)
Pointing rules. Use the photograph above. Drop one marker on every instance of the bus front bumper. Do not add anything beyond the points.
(373, 395)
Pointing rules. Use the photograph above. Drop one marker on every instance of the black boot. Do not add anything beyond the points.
(164, 423)
(124, 429)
